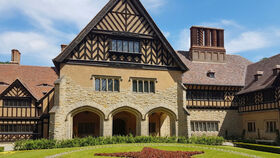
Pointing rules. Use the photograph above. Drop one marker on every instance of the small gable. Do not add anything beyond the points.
(124, 17)
(16, 89)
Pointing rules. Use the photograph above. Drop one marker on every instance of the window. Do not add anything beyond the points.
(17, 127)
(271, 126)
(143, 86)
(125, 46)
(18, 102)
(204, 126)
(251, 127)
(207, 95)
(107, 84)
(211, 74)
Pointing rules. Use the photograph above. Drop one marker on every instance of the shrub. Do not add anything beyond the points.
(208, 140)
(1, 149)
(266, 148)
(92, 141)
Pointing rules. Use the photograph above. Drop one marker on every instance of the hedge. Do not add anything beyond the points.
(1, 149)
(92, 141)
(259, 147)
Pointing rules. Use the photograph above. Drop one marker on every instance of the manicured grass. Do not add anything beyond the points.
(210, 151)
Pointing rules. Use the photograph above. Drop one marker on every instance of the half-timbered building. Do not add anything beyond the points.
(26, 96)
(121, 76)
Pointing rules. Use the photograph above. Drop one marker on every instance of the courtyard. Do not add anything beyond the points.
(209, 151)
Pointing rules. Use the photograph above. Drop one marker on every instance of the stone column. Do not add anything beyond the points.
(214, 38)
(145, 127)
(108, 127)
(207, 38)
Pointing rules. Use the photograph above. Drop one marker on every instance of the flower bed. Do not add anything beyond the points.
(152, 153)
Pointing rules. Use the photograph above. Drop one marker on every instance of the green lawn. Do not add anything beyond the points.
(210, 151)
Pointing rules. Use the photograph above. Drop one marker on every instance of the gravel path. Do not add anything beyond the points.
(171, 145)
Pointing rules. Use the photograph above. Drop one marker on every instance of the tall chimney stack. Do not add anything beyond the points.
(207, 44)
(15, 59)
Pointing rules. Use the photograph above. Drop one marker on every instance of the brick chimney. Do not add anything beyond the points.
(258, 75)
(63, 46)
(15, 59)
(207, 44)
(276, 70)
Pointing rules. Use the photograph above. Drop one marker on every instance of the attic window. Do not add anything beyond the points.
(126, 46)
(3, 84)
(211, 74)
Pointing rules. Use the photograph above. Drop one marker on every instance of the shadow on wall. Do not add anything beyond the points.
(231, 126)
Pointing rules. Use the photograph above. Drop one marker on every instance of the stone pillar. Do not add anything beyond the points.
(221, 38)
(188, 127)
(214, 38)
(145, 127)
(207, 38)
(193, 36)
(108, 127)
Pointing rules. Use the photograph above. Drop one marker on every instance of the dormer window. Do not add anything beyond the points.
(125, 46)
(211, 74)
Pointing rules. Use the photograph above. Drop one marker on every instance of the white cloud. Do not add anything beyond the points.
(166, 34)
(153, 4)
(45, 16)
(29, 43)
(184, 40)
(222, 23)
(248, 41)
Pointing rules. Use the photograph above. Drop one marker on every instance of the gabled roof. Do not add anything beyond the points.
(266, 80)
(30, 76)
(230, 73)
(64, 54)
(16, 83)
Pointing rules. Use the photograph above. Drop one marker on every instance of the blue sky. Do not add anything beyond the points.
(38, 27)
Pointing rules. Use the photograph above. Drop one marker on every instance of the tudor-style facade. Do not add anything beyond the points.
(122, 72)
(120, 76)
(26, 96)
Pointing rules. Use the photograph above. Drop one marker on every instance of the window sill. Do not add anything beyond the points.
(125, 53)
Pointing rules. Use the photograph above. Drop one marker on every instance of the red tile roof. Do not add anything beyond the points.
(31, 76)
(230, 73)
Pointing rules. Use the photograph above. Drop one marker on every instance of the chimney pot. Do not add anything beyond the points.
(15, 59)
(276, 70)
(258, 75)
(63, 46)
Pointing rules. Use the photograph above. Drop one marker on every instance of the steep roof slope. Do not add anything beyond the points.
(230, 73)
(31, 76)
(112, 3)
(266, 80)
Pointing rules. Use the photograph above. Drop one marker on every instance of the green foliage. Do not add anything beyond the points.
(208, 140)
(1, 149)
(5, 62)
(259, 147)
(91, 141)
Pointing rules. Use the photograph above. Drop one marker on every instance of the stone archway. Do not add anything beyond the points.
(126, 121)
(85, 121)
(162, 122)
(86, 124)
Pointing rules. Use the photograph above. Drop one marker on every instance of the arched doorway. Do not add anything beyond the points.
(124, 123)
(161, 123)
(85, 124)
